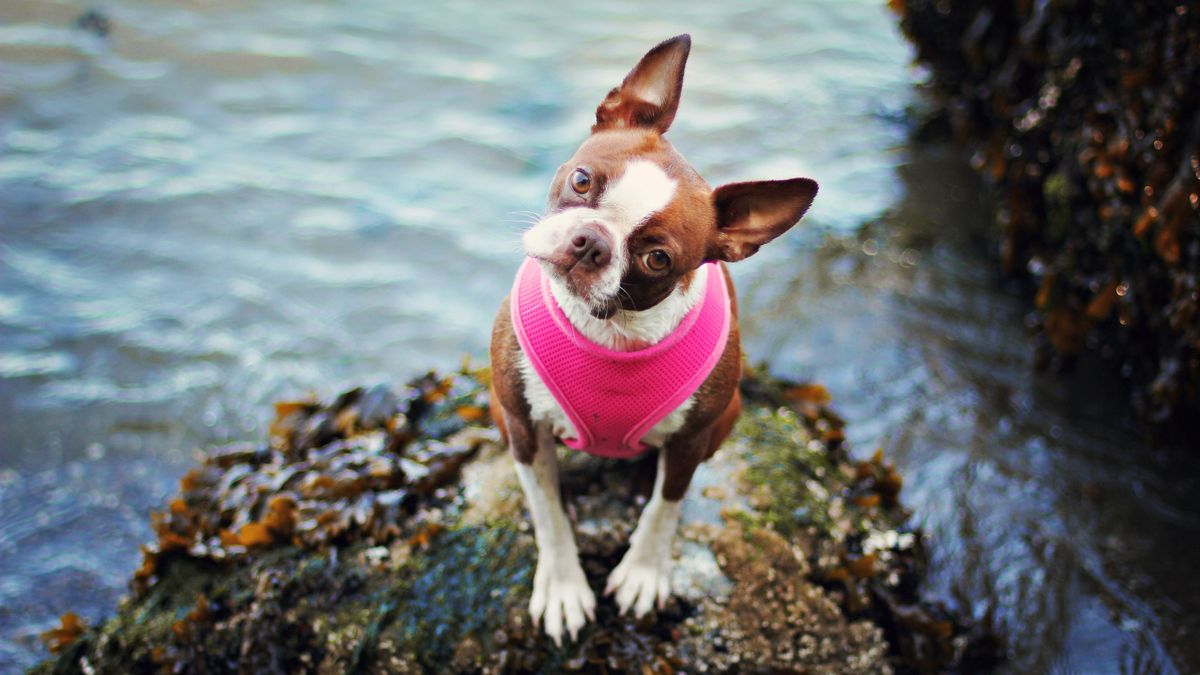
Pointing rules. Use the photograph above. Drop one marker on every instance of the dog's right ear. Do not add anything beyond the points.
(649, 95)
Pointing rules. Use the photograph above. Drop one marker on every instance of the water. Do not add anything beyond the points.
(222, 204)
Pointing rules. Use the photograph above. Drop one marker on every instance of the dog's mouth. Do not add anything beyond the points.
(585, 285)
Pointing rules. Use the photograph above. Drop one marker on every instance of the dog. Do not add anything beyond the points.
(620, 335)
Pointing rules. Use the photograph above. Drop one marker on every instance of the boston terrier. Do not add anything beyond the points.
(620, 335)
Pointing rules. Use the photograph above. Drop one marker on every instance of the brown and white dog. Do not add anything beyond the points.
(628, 227)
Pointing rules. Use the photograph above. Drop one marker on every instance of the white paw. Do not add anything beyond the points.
(638, 583)
(562, 597)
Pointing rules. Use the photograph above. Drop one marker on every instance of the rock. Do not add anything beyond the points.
(382, 547)
(1084, 118)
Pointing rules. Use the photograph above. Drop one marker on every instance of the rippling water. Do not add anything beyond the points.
(218, 204)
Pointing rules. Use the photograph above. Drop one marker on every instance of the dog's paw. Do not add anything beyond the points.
(638, 583)
(561, 598)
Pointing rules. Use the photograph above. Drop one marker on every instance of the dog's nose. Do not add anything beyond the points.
(590, 248)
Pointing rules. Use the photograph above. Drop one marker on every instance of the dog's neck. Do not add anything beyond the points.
(629, 330)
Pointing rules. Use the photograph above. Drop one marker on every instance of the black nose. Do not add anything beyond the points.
(589, 248)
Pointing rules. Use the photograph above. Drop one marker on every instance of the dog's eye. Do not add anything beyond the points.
(656, 260)
(580, 181)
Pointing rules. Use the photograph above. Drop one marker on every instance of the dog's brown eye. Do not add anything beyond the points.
(656, 260)
(580, 181)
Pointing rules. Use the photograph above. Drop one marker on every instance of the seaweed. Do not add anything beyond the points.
(1082, 115)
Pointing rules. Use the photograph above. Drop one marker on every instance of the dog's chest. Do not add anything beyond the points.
(545, 409)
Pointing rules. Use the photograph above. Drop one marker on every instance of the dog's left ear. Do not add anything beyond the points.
(649, 95)
(752, 214)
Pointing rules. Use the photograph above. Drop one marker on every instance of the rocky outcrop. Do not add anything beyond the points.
(385, 533)
(1086, 116)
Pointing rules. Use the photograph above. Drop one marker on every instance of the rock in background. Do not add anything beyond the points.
(1086, 116)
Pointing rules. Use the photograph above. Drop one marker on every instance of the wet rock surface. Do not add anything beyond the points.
(385, 532)
(1083, 114)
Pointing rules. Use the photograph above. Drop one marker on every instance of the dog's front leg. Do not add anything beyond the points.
(644, 573)
(561, 594)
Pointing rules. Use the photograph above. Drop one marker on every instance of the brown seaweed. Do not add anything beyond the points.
(1084, 117)
(330, 474)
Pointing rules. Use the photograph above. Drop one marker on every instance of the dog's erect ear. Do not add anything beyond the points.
(649, 95)
(752, 214)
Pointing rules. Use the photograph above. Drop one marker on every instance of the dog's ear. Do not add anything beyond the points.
(752, 214)
(649, 95)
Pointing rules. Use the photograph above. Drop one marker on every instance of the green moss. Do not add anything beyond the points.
(463, 586)
(787, 468)
(303, 607)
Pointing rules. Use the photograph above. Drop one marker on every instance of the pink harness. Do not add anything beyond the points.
(611, 397)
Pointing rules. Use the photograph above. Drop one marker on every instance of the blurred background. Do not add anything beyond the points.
(208, 206)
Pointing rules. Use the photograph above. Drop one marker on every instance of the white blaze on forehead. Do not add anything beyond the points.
(643, 190)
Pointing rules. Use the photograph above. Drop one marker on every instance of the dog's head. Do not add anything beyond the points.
(629, 219)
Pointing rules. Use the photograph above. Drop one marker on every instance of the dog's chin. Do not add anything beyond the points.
(581, 285)
(598, 306)
(604, 310)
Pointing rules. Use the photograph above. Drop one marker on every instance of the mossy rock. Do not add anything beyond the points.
(769, 574)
